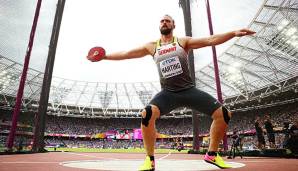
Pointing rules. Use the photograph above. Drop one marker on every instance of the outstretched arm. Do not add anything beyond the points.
(133, 53)
(194, 43)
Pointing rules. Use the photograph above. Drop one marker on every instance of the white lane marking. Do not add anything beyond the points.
(170, 152)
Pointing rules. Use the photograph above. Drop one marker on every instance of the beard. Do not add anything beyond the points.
(165, 31)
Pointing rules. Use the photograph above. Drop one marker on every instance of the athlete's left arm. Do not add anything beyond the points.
(195, 43)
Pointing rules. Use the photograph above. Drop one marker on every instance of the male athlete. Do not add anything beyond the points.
(178, 89)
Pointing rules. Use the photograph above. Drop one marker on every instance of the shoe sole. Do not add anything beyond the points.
(216, 164)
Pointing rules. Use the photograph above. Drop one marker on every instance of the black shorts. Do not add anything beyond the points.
(192, 98)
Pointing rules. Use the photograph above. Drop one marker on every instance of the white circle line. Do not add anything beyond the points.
(128, 165)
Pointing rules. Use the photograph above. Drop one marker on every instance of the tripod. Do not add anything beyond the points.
(234, 148)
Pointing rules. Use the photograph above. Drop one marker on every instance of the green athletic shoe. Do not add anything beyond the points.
(217, 161)
(148, 165)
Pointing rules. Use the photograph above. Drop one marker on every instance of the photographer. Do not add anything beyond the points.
(286, 131)
(259, 133)
(270, 132)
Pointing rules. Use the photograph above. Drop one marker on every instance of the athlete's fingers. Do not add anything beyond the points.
(244, 32)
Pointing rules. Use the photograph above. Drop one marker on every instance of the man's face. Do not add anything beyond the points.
(166, 25)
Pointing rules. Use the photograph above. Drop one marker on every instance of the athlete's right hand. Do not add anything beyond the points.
(96, 54)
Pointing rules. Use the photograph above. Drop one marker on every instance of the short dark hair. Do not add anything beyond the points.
(170, 17)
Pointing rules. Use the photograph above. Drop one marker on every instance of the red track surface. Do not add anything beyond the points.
(50, 161)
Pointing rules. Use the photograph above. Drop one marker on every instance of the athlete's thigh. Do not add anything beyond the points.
(201, 101)
(165, 101)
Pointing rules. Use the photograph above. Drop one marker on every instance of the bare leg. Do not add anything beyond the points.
(218, 129)
(149, 132)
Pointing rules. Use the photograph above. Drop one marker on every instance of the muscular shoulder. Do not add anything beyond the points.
(183, 42)
(150, 46)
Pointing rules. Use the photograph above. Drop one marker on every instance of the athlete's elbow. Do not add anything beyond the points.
(123, 55)
(213, 43)
(128, 55)
(217, 42)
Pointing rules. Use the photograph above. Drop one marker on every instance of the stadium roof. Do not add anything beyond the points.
(267, 58)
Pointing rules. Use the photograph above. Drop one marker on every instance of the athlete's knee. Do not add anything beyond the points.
(150, 113)
(224, 113)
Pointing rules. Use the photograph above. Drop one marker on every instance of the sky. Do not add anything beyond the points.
(118, 25)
